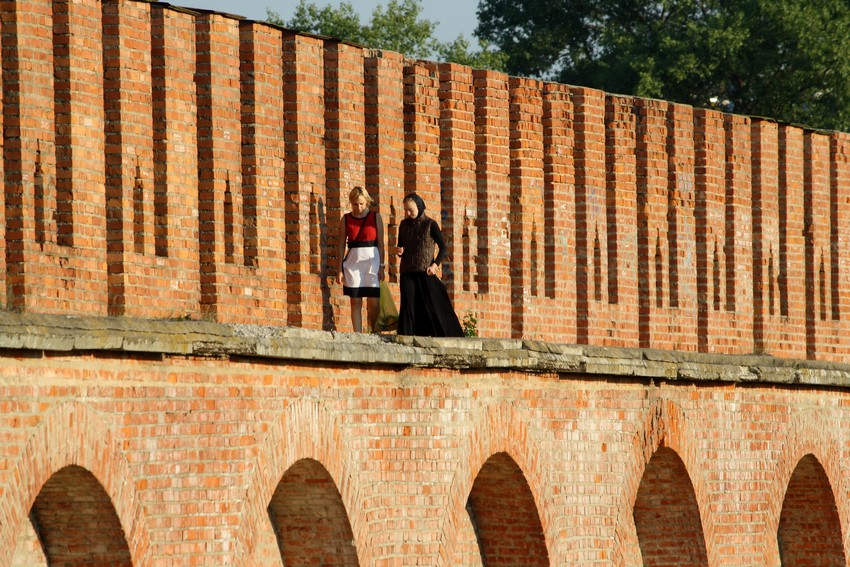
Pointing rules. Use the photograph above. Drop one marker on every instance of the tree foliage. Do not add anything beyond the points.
(399, 28)
(787, 59)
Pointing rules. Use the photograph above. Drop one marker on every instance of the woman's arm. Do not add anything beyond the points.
(379, 227)
(437, 236)
(441, 244)
(400, 240)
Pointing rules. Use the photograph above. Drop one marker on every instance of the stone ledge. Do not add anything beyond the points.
(58, 333)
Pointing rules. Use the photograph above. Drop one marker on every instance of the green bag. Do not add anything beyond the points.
(387, 313)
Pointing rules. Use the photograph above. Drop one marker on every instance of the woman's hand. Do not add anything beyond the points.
(431, 270)
(340, 278)
(381, 273)
(399, 251)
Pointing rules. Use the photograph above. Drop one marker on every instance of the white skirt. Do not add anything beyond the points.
(360, 270)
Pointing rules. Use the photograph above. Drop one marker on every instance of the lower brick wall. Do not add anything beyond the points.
(223, 460)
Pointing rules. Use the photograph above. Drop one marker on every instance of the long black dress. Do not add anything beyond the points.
(425, 307)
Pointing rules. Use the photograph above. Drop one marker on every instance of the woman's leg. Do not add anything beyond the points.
(372, 308)
(357, 314)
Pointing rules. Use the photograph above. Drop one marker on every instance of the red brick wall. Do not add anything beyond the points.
(161, 162)
(168, 163)
(384, 155)
(492, 174)
(152, 247)
(458, 187)
(345, 164)
(304, 175)
(6, 58)
(666, 271)
(54, 157)
(379, 466)
(779, 317)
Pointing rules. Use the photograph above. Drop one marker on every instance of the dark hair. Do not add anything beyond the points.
(420, 204)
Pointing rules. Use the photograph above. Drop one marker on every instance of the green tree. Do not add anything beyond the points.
(458, 51)
(399, 28)
(787, 59)
(342, 22)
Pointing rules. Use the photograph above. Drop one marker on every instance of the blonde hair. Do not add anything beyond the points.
(360, 192)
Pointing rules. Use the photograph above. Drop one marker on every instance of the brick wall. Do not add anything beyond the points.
(164, 162)
(151, 182)
(124, 456)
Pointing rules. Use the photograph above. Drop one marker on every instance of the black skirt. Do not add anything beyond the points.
(425, 307)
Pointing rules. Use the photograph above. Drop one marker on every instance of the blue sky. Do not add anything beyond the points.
(455, 17)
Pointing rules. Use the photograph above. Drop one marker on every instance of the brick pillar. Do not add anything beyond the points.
(304, 130)
(778, 253)
(606, 220)
(559, 213)
(264, 257)
(739, 235)
(492, 163)
(527, 226)
(422, 137)
(665, 228)
(839, 164)
(823, 325)
(54, 157)
(791, 275)
(219, 156)
(661, 205)
(153, 244)
(345, 147)
(724, 242)
(3, 55)
(652, 201)
(620, 318)
(710, 223)
(384, 103)
(226, 292)
(589, 112)
(459, 197)
(681, 239)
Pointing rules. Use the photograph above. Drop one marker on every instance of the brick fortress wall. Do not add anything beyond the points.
(162, 163)
(172, 177)
(130, 443)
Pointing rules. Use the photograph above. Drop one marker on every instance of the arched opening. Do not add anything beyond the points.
(666, 514)
(504, 527)
(809, 529)
(73, 522)
(309, 519)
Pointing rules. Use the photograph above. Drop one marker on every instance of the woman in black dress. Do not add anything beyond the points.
(426, 309)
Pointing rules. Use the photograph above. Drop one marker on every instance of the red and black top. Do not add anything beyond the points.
(361, 233)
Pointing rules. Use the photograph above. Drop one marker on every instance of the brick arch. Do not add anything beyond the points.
(310, 520)
(504, 516)
(499, 429)
(808, 434)
(76, 521)
(306, 430)
(666, 427)
(74, 435)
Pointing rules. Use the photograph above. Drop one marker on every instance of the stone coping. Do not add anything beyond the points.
(59, 333)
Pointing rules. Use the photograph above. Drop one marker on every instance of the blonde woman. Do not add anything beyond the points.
(361, 268)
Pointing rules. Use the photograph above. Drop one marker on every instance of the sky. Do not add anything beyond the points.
(454, 17)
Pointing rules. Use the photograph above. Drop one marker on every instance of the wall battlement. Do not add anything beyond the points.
(162, 162)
